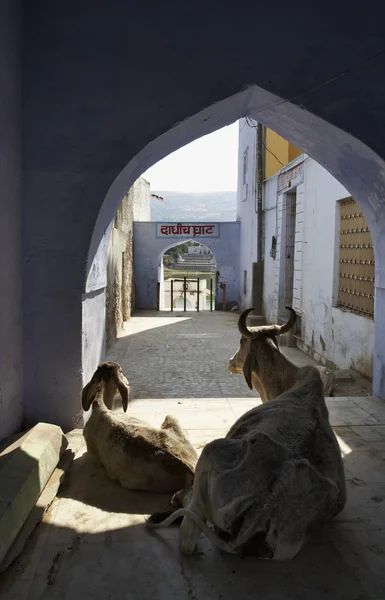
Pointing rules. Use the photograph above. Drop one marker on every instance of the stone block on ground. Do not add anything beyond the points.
(25, 468)
(75, 444)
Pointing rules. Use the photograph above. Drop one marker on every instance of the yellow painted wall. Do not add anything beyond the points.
(278, 153)
(294, 152)
(276, 148)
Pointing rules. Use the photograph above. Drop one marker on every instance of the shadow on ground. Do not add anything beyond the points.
(88, 483)
(93, 544)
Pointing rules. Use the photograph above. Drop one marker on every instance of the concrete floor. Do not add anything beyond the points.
(92, 543)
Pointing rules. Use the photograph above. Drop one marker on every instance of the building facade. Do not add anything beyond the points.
(317, 253)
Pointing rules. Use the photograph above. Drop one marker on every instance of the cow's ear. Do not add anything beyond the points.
(247, 369)
(123, 387)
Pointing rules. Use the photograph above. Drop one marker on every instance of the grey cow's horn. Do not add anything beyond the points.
(289, 323)
(242, 324)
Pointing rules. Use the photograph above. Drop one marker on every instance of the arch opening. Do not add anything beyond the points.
(187, 277)
(352, 163)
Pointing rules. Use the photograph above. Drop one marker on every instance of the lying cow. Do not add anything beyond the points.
(278, 473)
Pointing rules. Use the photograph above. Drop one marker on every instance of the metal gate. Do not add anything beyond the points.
(197, 292)
(289, 247)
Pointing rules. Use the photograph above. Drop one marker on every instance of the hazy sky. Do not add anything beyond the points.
(209, 164)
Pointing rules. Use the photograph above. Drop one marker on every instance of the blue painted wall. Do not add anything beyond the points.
(148, 250)
(11, 367)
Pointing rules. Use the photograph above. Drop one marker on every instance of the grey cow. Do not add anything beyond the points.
(278, 473)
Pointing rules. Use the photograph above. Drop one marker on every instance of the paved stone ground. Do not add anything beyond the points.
(167, 355)
(92, 543)
(171, 355)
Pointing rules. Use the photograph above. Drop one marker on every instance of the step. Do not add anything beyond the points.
(288, 340)
(343, 376)
(26, 464)
(256, 320)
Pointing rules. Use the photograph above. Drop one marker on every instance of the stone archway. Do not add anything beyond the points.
(341, 154)
(91, 117)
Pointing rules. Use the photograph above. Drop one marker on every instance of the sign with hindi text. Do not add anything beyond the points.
(291, 175)
(190, 230)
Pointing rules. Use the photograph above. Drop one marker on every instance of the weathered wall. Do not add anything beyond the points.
(11, 374)
(119, 272)
(120, 296)
(339, 335)
(140, 196)
(93, 341)
(148, 252)
(329, 332)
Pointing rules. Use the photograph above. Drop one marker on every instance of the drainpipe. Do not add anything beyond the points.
(258, 267)
(224, 302)
(260, 177)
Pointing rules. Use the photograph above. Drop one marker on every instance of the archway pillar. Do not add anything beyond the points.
(379, 344)
(378, 240)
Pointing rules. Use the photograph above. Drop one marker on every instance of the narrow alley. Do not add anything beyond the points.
(92, 542)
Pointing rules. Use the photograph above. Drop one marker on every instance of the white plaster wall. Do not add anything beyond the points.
(93, 332)
(141, 195)
(270, 215)
(120, 242)
(246, 210)
(340, 336)
(330, 333)
(93, 341)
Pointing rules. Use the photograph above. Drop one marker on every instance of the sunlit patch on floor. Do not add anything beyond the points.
(345, 449)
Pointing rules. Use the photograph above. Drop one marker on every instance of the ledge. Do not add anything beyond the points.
(26, 465)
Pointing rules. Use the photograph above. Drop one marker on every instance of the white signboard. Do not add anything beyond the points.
(190, 230)
(291, 176)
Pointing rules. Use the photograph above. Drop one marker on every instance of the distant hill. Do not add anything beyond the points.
(180, 206)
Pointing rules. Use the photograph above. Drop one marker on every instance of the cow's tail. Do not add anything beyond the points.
(186, 512)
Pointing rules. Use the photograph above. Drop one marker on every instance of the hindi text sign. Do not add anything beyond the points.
(191, 230)
(291, 176)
